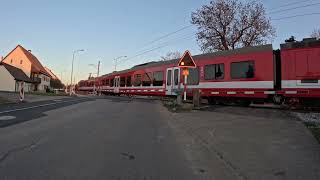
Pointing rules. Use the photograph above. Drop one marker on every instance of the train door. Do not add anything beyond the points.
(117, 84)
(173, 80)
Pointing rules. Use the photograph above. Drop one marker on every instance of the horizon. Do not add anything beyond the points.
(104, 32)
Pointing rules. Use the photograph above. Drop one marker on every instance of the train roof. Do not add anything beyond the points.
(244, 50)
(307, 42)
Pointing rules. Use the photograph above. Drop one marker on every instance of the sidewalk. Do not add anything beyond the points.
(14, 97)
(247, 143)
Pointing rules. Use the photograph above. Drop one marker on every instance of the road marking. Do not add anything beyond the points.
(32, 107)
(6, 118)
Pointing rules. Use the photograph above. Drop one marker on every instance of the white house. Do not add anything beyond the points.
(23, 59)
(10, 77)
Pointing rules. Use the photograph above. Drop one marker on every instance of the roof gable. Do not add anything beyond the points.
(36, 65)
(17, 73)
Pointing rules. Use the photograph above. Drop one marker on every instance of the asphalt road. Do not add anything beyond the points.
(113, 138)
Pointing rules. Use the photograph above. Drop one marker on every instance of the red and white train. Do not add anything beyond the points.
(291, 74)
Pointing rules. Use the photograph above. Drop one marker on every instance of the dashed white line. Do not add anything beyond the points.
(32, 107)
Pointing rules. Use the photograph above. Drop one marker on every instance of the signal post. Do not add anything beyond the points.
(185, 63)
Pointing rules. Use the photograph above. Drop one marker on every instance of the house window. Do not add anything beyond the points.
(21, 61)
(11, 61)
(243, 69)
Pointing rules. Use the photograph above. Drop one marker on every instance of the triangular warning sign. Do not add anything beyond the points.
(187, 61)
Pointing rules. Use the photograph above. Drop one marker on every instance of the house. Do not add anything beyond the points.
(23, 59)
(10, 77)
(53, 76)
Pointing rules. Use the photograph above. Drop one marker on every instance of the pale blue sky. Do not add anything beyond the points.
(108, 29)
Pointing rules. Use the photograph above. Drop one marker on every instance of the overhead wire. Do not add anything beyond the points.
(289, 9)
(299, 15)
(292, 3)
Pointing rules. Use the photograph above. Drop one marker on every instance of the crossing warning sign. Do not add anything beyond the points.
(187, 61)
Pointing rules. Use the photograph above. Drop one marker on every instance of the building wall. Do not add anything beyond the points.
(45, 82)
(18, 59)
(7, 82)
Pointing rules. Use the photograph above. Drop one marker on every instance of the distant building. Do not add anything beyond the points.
(10, 77)
(23, 59)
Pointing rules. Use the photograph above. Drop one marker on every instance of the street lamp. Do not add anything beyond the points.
(98, 69)
(74, 52)
(116, 61)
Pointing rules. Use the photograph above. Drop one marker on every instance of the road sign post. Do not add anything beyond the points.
(185, 63)
(21, 91)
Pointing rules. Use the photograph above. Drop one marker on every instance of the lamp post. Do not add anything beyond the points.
(116, 61)
(74, 52)
(98, 69)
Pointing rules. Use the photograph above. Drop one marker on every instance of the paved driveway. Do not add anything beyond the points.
(248, 143)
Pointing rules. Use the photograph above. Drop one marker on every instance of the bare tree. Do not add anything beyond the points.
(171, 55)
(316, 34)
(230, 24)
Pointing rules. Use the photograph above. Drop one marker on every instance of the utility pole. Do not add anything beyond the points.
(116, 61)
(98, 76)
(74, 52)
(98, 69)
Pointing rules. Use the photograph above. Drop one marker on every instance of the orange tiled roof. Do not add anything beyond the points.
(36, 65)
(53, 76)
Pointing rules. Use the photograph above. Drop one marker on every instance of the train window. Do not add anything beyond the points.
(128, 82)
(122, 81)
(243, 69)
(107, 82)
(158, 78)
(209, 72)
(147, 79)
(176, 76)
(193, 78)
(214, 71)
(137, 80)
(169, 75)
(112, 82)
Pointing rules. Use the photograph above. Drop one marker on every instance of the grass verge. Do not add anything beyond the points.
(172, 106)
(314, 128)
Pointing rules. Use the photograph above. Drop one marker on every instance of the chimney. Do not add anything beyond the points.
(29, 51)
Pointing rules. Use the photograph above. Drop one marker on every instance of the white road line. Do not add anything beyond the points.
(6, 118)
(32, 107)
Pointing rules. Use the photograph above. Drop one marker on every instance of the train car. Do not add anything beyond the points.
(242, 75)
(300, 69)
